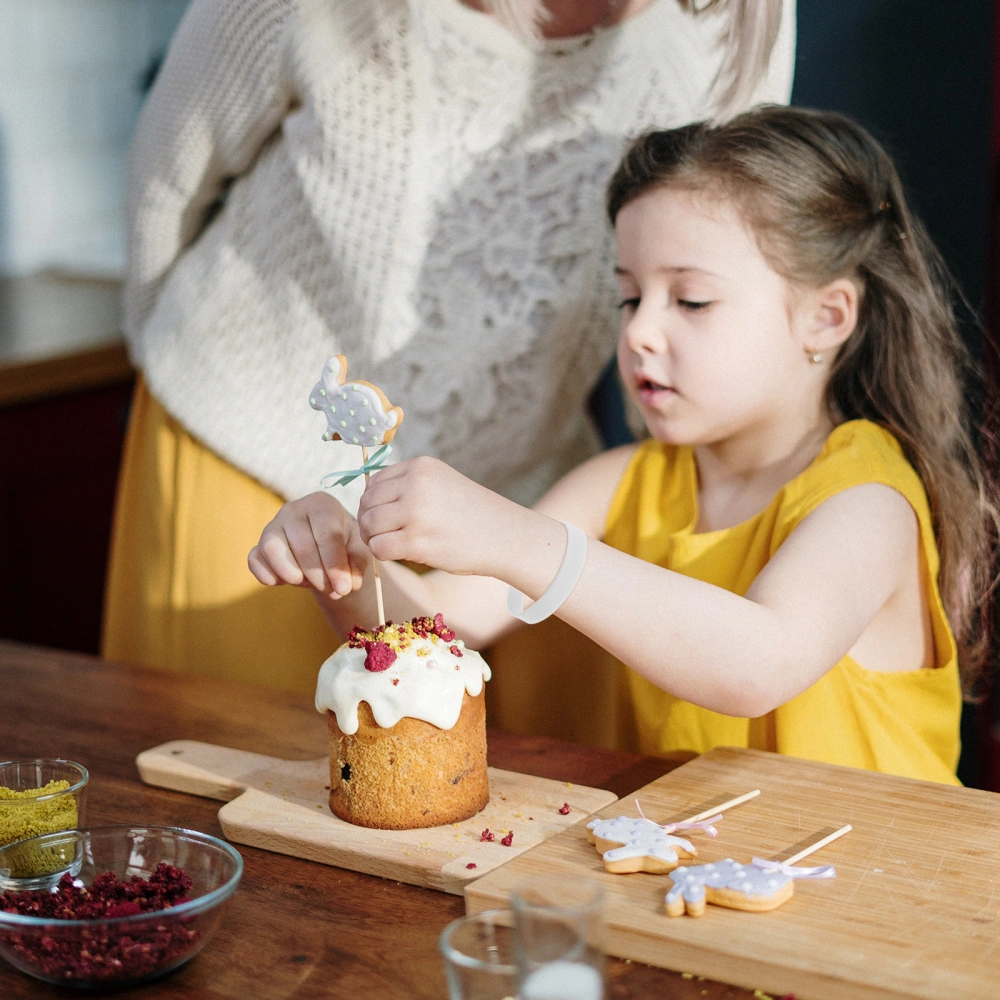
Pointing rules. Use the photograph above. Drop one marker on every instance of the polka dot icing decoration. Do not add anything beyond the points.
(356, 412)
(726, 883)
(643, 846)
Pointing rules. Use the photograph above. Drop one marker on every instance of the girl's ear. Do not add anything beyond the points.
(830, 316)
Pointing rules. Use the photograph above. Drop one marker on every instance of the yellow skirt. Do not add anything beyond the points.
(180, 597)
(179, 594)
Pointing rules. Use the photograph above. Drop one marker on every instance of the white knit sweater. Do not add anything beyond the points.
(412, 188)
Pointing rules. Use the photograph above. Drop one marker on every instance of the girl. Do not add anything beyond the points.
(774, 565)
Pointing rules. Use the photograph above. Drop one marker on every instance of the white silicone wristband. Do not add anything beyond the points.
(560, 588)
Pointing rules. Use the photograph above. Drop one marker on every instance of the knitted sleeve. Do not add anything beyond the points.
(221, 92)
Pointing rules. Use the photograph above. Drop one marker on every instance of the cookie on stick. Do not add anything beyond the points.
(629, 845)
(757, 887)
(358, 413)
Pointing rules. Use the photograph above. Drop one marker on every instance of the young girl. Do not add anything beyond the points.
(779, 563)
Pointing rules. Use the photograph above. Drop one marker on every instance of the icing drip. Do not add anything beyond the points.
(427, 680)
(749, 879)
(639, 838)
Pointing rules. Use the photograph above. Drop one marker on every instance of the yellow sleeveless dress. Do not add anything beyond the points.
(900, 723)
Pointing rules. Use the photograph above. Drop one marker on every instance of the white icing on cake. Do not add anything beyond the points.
(427, 681)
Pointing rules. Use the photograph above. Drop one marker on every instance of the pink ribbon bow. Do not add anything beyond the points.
(821, 871)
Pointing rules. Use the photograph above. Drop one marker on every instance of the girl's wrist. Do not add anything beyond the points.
(528, 554)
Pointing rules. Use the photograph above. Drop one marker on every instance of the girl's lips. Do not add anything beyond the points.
(651, 392)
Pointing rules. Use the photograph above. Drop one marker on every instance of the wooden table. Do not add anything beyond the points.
(295, 929)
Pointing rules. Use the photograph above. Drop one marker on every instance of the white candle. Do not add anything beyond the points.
(563, 981)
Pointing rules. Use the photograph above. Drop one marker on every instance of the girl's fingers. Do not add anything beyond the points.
(306, 553)
(391, 545)
(378, 520)
(276, 552)
(260, 569)
(333, 554)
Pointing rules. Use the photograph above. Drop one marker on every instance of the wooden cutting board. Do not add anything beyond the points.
(914, 911)
(281, 805)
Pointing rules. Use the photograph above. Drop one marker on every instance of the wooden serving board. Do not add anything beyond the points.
(914, 911)
(282, 805)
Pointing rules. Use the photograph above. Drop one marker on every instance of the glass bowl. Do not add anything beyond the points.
(31, 815)
(124, 950)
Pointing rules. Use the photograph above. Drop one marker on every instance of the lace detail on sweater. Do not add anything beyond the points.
(429, 202)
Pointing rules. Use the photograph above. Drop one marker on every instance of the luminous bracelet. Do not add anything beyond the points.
(560, 588)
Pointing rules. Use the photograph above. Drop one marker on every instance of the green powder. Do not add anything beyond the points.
(21, 818)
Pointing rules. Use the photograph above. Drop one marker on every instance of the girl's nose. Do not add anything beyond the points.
(642, 334)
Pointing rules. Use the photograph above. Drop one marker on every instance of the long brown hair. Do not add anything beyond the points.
(824, 201)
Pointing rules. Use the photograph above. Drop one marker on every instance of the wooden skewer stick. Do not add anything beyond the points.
(819, 843)
(715, 810)
(378, 579)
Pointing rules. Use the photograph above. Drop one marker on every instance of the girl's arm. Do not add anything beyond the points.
(222, 90)
(849, 560)
(314, 542)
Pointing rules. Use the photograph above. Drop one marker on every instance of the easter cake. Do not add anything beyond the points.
(407, 722)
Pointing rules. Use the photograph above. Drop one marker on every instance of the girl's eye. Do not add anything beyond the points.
(629, 304)
(693, 306)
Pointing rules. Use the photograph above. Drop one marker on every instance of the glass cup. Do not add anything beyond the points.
(479, 957)
(559, 940)
(25, 814)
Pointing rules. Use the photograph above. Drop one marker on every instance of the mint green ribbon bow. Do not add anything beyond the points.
(376, 462)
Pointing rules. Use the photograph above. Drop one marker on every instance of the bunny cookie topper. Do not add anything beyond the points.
(356, 412)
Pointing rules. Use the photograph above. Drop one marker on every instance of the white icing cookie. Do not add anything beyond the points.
(356, 412)
(642, 845)
(726, 883)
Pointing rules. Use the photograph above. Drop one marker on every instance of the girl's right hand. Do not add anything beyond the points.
(312, 542)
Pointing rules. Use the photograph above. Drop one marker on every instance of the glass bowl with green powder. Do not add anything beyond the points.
(41, 796)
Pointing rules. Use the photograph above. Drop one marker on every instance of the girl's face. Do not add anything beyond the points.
(711, 345)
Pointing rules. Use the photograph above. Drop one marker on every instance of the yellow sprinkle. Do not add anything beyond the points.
(28, 818)
(454, 824)
(569, 784)
(761, 995)
(687, 975)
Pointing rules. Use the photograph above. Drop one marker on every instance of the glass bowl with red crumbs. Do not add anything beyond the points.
(130, 903)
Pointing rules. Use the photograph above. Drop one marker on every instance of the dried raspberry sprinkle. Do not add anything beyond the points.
(454, 650)
(472, 864)
(380, 657)
(114, 952)
(565, 810)
(508, 840)
(395, 681)
(441, 630)
(487, 835)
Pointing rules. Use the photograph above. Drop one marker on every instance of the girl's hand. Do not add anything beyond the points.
(312, 542)
(424, 511)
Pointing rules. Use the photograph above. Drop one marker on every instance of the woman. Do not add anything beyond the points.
(416, 184)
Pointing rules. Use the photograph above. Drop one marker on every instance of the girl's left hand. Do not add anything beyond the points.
(424, 511)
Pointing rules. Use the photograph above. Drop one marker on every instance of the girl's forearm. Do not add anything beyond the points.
(697, 641)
